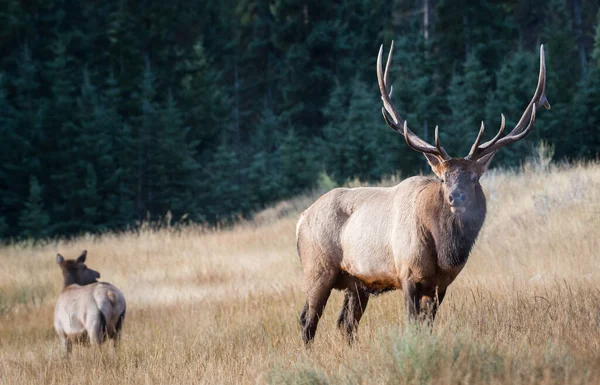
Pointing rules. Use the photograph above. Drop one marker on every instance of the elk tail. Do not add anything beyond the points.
(114, 325)
(112, 297)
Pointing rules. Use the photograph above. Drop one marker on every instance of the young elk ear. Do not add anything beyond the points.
(59, 259)
(82, 257)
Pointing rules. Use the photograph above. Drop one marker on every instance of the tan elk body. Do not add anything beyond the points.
(87, 309)
(415, 236)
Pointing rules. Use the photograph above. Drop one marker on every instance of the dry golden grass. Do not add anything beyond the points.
(222, 307)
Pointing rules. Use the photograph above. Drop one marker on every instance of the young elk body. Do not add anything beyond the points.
(415, 236)
(87, 309)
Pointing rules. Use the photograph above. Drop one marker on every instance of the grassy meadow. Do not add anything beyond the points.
(221, 307)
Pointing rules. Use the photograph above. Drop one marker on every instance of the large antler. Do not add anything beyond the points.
(523, 127)
(393, 119)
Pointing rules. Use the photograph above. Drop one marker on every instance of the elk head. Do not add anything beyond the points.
(75, 270)
(460, 176)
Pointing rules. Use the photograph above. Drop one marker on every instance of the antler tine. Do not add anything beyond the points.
(539, 97)
(513, 138)
(392, 117)
(440, 149)
(383, 88)
(542, 80)
(410, 140)
(526, 121)
(508, 139)
(390, 121)
(495, 138)
(386, 74)
(477, 141)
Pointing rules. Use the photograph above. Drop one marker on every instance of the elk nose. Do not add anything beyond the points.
(456, 198)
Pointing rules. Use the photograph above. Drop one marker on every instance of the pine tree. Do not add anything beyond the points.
(63, 134)
(585, 111)
(145, 143)
(34, 219)
(305, 34)
(297, 165)
(332, 147)
(90, 200)
(264, 177)
(95, 164)
(7, 126)
(225, 194)
(562, 79)
(24, 137)
(515, 83)
(361, 135)
(466, 99)
(174, 168)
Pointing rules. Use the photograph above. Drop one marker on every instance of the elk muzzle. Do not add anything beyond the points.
(456, 198)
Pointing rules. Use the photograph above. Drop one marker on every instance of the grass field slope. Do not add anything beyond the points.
(207, 306)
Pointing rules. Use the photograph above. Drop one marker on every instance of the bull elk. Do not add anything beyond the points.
(415, 236)
(86, 309)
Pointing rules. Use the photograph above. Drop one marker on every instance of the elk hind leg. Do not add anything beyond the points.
(302, 318)
(65, 344)
(118, 328)
(96, 329)
(342, 316)
(319, 290)
(355, 303)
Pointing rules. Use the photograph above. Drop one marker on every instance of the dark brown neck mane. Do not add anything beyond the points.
(453, 234)
(68, 280)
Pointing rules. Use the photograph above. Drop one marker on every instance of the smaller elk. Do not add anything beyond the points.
(86, 308)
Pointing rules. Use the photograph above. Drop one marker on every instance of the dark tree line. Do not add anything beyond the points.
(118, 111)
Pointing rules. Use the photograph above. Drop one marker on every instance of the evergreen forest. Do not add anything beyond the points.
(117, 112)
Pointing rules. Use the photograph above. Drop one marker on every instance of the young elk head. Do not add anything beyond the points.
(75, 271)
(460, 176)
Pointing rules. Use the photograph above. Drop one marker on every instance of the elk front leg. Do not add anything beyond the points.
(412, 298)
(430, 305)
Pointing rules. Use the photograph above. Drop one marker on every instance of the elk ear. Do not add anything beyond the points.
(435, 164)
(81, 258)
(59, 259)
(484, 162)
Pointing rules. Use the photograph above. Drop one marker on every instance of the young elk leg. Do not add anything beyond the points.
(118, 328)
(96, 329)
(355, 303)
(65, 344)
(318, 294)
